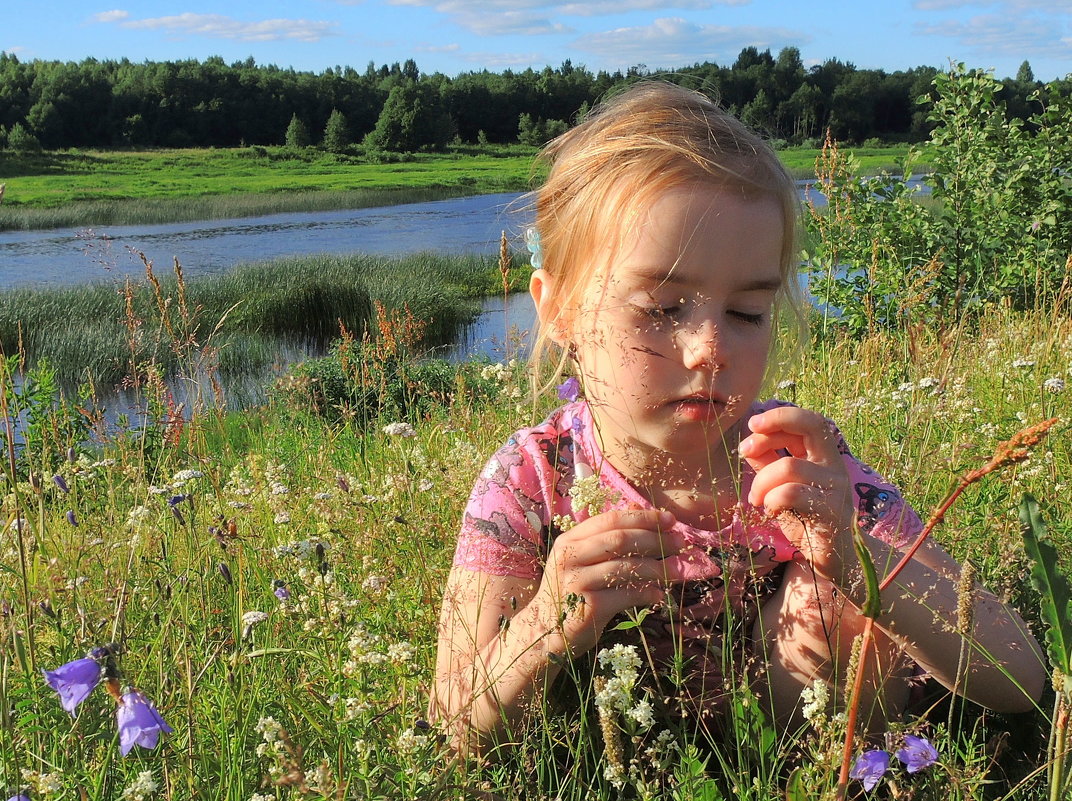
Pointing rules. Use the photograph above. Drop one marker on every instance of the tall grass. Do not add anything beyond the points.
(148, 211)
(326, 697)
(86, 334)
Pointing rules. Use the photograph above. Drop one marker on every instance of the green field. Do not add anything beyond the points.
(87, 188)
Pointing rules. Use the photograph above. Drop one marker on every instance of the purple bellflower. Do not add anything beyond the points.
(61, 483)
(19, 797)
(74, 681)
(570, 389)
(139, 722)
(281, 592)
(869, 767)
(917, 753)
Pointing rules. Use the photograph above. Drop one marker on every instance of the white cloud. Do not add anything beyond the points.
(1003, 35)
(675, 41)
(447, 48)
(528, 17)
(504, 60)
(110, 16)
(217, 26)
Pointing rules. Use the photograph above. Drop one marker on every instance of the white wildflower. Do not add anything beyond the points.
(399, 430)
(1055, 385)
(927, 382)
(282, 518)
(252, 618)
(587, 494)
(183, 476)
(142, 787)
(1023, 363)
(375, 584)
(643, 713)
(425, 485)
(138, 516)
(787, 385)
(815, 696)
(615, 774)
(400, 652)
(410, 741)
(278, 488)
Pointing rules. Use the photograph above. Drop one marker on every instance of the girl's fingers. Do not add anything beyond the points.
(789, 471)
(803, 433)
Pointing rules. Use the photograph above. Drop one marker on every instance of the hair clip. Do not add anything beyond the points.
(532, 241)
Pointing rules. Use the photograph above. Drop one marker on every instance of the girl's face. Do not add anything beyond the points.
(672, 337)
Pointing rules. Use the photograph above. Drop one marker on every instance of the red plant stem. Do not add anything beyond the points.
(869, 623)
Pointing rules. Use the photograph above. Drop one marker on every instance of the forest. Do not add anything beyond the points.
(117, 103)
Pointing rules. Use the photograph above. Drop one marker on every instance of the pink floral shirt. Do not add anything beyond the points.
(509, 525)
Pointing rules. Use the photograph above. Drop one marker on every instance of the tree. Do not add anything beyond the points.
(297, 133)
(21, 140)
(412, 117)
(336, 132)
(1025, 74)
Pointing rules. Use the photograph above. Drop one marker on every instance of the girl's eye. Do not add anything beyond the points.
(656, 312)
(746, 317)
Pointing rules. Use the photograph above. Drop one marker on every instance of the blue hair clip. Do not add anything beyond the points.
(532, 241)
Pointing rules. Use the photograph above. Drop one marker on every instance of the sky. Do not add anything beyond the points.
(456, 36)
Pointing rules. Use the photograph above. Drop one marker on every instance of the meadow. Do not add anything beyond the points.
(268, 580)
(93, 188)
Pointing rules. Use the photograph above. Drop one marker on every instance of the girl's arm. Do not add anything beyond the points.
(500, 637)
(810, 490)
(976, 645)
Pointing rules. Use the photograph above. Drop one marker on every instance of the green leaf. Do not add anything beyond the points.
(794, 788)
(872, 606)
(1052, 586)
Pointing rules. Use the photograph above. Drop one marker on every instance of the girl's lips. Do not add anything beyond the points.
(698, 408)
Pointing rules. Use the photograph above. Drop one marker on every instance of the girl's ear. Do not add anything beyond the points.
(548, 309)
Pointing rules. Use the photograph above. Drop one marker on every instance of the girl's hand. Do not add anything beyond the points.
(610, 562)
(809, 489)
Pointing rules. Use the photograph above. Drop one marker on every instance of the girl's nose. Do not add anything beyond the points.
(700, 347)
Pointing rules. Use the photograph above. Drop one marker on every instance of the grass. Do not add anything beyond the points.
(85, 334)
(92, 188)
(326, 697)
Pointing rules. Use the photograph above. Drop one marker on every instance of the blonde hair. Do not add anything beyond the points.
(630, 149)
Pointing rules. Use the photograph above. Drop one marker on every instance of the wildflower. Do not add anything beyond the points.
(281, 592)
(927, 382)
(1023, 363)
(144, 786)
(183, 476)
(74, 681)
(399, 430)
(643, 713)
(19, 797)
(71, 518)
(1055, 385)
(61, 483)
(917, 753)
(587, 494)
(869, 767)
(788, 384)
(138, 516)
(816, 697)
(139, 722)
(569, 389)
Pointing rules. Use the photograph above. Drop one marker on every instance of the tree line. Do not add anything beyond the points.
(192, 103)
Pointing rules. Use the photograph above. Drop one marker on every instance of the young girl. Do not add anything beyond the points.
(665, 248)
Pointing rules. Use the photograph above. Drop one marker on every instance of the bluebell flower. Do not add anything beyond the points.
(19, 797)
(917, 753)
(281, 592)
(74, 681)
(139, 722)
(61, 483)
(869, 767)
(71, 518)
(569, 389)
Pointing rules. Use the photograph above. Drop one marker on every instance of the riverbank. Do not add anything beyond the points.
(82, 189)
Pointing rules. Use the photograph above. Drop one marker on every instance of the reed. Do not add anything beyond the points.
(245, 314)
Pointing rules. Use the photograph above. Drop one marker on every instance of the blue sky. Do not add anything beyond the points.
(454, 36)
